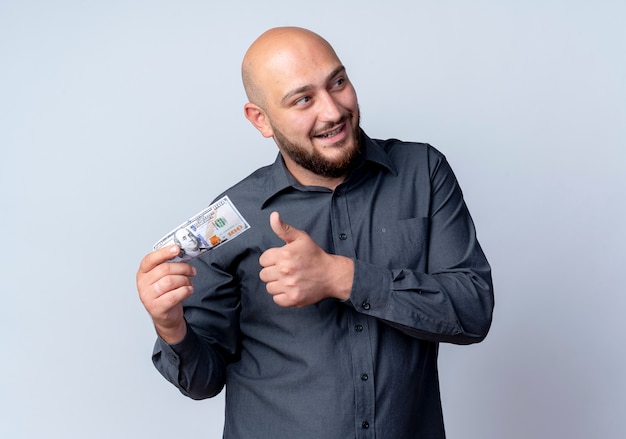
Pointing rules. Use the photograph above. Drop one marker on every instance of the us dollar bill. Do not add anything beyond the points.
(210, 228)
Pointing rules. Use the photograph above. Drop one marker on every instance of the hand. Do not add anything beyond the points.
(300, 273)
(162, 287)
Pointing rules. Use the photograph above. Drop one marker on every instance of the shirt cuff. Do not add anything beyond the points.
(369, 288)
(174, 352)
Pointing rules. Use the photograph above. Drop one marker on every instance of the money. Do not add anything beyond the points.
(212, 227)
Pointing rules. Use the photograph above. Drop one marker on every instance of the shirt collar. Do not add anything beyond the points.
(280, 179)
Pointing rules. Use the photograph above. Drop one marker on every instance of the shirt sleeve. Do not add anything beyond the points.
(197, 365)
(452, 299)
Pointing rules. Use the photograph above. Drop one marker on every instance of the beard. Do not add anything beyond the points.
(314, 161)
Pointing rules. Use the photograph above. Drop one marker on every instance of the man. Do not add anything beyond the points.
(323, 321)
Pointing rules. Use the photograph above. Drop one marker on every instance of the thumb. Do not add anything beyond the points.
(283, 230)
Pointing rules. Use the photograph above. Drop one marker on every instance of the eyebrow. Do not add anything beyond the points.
(305, 88)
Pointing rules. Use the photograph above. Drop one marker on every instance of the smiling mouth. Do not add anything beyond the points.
(330, 133)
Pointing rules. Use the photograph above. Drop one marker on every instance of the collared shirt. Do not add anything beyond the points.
(363, 368)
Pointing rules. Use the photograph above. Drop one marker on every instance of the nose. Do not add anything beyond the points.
(329, 109)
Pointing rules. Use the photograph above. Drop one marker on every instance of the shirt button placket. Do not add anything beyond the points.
(340, 223)
(360, 346)
(363, 379)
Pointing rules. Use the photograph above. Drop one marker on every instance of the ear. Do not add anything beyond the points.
(258, 118)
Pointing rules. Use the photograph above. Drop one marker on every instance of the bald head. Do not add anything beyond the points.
(275, 51)
(300, 95)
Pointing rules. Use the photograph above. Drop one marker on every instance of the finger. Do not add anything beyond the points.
(268, 258)
(173, 297)
(283, 230)
(265, 275)
(170, 269)
(157, 257)
(163, 271)
(167, 284)
(166, 309)
(162, 278)
(282, 300)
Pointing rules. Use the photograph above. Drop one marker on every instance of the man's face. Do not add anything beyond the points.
(313, 111)
(187, 240)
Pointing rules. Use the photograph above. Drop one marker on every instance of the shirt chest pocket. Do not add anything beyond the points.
(405, 243)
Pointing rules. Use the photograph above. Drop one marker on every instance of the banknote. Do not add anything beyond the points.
(215, 225)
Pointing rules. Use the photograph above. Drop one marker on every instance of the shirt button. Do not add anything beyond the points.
(366, 306)
(343, 236)
(364, 377)
(358, 328)
(365, 424)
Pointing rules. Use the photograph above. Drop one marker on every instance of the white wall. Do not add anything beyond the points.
(104, 106)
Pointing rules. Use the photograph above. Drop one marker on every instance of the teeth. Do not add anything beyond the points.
(332, 133)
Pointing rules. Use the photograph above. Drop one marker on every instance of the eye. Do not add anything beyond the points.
(303, 100)
(339, 82)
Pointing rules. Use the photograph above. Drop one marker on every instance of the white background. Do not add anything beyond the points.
(119, 119)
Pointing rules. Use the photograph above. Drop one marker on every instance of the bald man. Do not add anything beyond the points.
(324, 320)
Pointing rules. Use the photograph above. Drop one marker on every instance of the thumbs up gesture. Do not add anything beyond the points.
(301, 273)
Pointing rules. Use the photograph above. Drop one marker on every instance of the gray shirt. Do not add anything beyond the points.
(363, 368)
